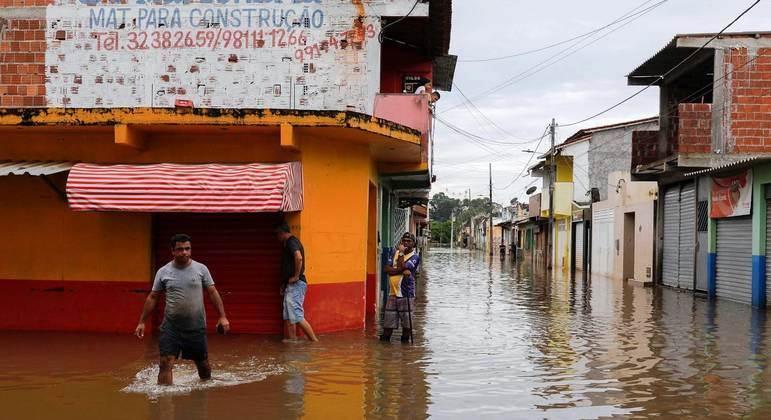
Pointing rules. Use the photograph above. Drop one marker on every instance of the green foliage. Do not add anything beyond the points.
(440, 231)
(442, 207)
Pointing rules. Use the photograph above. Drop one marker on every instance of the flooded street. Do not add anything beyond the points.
(491, 342)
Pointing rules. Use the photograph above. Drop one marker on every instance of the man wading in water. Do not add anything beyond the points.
(293, 283)
(401, 269)
(183, 332)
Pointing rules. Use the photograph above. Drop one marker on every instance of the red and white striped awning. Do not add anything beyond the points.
(173, 188)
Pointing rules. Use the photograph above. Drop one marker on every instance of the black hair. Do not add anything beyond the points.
(438, 96)
(282, 227)
(180, 237)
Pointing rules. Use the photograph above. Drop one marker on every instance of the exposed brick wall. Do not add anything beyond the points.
(751, 100)
(645, 145)
(694, 128)
(22, 57)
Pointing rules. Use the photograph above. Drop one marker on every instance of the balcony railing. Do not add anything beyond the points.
(405, 109)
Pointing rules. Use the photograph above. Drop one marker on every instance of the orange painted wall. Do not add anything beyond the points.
(333, 225)
(334, 219)
(43, 240)
(193, 147)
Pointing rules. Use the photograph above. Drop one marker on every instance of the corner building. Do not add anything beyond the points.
(109, 145)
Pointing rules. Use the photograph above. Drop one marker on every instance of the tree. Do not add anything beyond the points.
(442, 207)
(440, 231)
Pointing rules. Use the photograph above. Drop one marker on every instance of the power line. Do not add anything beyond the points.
(486, 141)
(664, 76)
(673, 110)
(382, 31)
(622, 18)
(543, 65)
(470, 103)
(532, 155)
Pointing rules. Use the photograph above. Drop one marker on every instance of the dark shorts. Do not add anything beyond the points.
(189, 345)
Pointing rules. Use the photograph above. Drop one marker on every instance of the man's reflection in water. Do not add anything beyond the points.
(193, 406)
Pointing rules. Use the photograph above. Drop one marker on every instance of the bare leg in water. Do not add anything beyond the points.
(165, 367)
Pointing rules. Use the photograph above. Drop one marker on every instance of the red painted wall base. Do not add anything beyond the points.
(89, 306)
(335, 307)
(114, 307)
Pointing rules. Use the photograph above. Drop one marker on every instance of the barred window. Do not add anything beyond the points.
(702, 218)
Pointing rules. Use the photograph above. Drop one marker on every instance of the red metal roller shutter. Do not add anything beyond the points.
(243, 256)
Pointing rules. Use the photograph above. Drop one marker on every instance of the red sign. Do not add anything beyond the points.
(731, 195)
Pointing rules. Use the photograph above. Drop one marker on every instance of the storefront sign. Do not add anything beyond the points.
(309, 54)
(731, 195)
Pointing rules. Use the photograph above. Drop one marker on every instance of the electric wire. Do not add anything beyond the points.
(554, 59)
(622, 18)
(383, 29)
(662, 77)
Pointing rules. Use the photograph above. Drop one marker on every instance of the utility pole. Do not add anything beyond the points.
(491, 209)
(552, 181)
(452, 228)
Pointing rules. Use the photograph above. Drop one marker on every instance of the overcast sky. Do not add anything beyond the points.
(572, 89)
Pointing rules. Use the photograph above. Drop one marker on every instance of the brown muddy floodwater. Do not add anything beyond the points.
(492, 342)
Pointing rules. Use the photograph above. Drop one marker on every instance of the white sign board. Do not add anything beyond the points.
(280, 54)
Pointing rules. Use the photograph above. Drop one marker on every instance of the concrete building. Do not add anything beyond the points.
(598, 155)
(315, 129)
(709, 159)
(623, 230)
(563, 206)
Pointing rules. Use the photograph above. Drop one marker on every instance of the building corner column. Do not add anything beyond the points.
(758, 240)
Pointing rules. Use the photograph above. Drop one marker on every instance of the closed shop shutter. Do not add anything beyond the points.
(243, 256)
(579, 249)
(734, 259)
(768, 252)
(562, 243)
(687, 255)
(679, 236)
(603, 243)
(671, 237)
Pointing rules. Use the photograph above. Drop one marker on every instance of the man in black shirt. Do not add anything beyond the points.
(293, 283)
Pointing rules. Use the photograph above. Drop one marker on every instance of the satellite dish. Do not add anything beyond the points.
(531, 190)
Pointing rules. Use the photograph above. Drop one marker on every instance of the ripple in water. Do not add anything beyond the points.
(186, 377)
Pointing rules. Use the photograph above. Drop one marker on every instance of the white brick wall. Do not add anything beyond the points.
(290, 54)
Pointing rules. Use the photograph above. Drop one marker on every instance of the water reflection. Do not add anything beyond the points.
(494, 339)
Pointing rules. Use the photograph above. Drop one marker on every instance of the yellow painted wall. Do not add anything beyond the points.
(563, 200)
(43, 240)
(564, 169)
(334, 219)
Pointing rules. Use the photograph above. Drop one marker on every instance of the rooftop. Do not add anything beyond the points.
(683, 45)
(586, 133)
